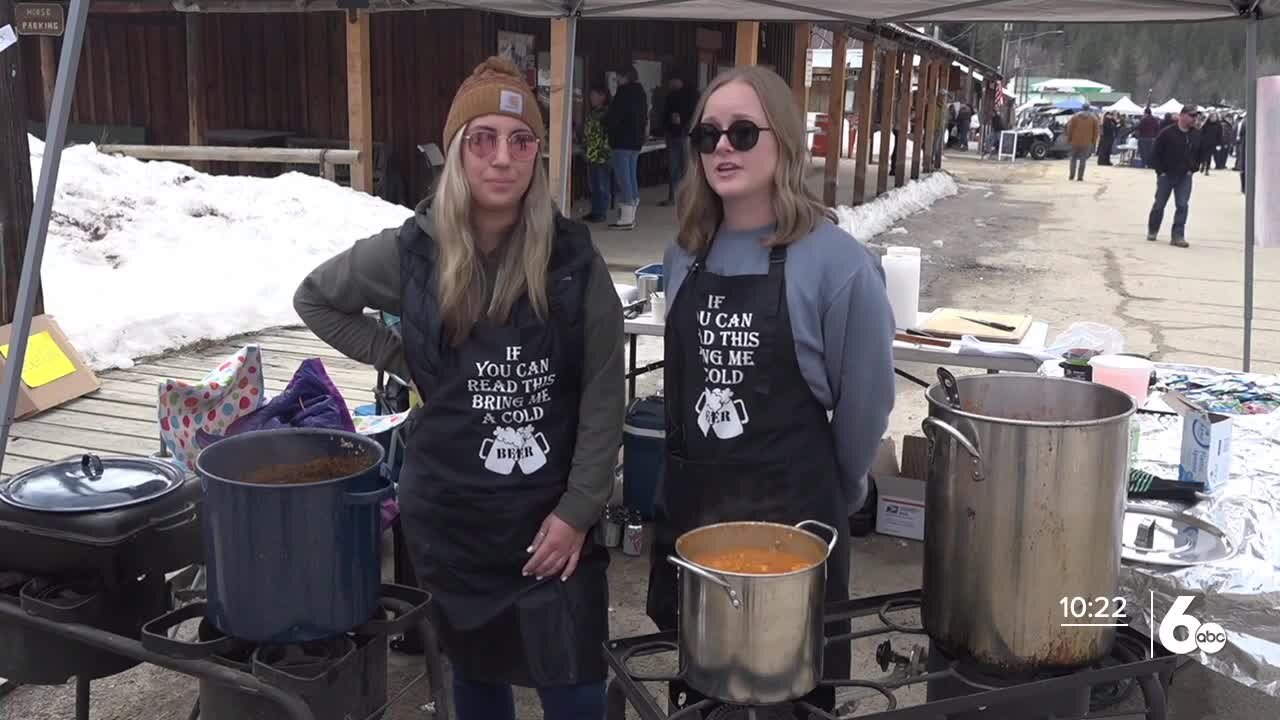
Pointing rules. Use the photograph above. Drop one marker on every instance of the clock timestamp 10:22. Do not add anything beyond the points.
(1099, 611)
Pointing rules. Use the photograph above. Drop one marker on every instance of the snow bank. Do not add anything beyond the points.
(143, 257)
(866, 221)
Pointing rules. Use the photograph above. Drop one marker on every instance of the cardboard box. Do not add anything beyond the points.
(54, 372)
(1206, 448)
(900, 506)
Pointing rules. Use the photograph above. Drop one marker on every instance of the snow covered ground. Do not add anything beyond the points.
(143, 257)
(866, 221)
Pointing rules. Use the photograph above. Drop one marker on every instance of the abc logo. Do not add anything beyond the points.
(1182, 634)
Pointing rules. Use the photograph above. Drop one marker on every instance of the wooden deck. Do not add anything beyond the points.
(121, 418)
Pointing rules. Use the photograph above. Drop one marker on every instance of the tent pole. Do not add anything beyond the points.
(564, 40)
(55, 138)
(1251, 179)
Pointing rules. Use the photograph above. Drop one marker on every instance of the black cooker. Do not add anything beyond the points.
(89, 540)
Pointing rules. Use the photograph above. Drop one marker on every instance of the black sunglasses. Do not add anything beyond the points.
(743, 135)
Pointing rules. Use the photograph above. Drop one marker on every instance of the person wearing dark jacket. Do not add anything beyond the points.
(1177, 154)
(627, 123)
(1225, 144)
(1242, 152)
(1109, 128)
(511, 331)
(1210, 138)
(1148, 129)
(677, 110)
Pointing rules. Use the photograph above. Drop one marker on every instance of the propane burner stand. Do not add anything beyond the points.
(628, 686)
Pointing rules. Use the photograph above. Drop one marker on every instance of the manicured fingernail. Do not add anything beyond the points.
(564, 579)
(524, 573)
(539, 578)
(529, 549)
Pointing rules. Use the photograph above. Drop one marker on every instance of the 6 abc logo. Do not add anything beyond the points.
(1208, 637)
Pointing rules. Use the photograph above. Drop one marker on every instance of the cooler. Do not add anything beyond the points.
(644, 440)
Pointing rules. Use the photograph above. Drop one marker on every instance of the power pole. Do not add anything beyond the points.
(15, 181)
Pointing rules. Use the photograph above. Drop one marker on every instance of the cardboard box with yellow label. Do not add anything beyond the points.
(53, 373)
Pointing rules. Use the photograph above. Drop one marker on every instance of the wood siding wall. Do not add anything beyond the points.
(287, 71)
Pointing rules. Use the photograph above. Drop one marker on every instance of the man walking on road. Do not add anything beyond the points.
(1177, 153)
(1083, 131)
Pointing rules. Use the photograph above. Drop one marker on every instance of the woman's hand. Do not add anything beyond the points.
(555, 549)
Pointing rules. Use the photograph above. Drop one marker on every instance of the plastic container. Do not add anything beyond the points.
(658, 305)
(644, 440)
(902, 281)
(653, 269)
(1125, 373)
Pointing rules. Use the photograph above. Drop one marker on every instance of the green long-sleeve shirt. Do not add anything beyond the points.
(332, 302)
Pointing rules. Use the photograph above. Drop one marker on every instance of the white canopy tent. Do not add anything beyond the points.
(566, 14)
(1172, 106)
(1125, 106)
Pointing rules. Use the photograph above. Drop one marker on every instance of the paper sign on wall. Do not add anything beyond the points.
(7, 37)
(45, 361)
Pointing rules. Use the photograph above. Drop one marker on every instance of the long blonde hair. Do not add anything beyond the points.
(797, 209)
(460, 275)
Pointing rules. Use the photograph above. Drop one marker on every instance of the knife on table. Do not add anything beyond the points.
(993, 325)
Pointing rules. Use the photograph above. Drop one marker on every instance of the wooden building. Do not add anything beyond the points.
(152, 75)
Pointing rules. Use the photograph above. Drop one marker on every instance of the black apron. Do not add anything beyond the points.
(487, 459)
(746, 438)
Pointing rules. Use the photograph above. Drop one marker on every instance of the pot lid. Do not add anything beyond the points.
(90, 483)
(1159, 536)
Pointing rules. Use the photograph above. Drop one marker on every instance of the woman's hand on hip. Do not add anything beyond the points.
(555, 549)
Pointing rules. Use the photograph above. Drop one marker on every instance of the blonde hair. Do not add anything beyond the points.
(460, 276)
(797, 209)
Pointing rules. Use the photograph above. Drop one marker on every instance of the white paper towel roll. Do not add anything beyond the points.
(902, 280)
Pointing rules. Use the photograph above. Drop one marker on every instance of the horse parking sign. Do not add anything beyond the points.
(41, 19)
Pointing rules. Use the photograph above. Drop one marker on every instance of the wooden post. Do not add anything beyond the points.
(560, 172)
(197, 119)
(906, 70)
(48, 70)
(922, 115)
(888, 73)
(800, 58)
(942, 81)
(16, 197)
(862, 156)
(360, 99)
(747, 48)
(835, 118)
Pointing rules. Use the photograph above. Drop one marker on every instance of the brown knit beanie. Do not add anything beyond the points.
(495, 87)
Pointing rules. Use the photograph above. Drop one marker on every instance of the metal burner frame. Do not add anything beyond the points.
(627, 686)
(291, 705)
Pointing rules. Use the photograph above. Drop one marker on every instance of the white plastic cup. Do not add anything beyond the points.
(1125, 373)
(902, 283)
(658, 305)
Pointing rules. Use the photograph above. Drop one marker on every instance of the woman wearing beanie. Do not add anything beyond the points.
(779, 340)
(512, 332)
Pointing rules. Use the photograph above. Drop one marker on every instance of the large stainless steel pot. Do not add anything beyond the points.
(752, 639)
(1025, 506)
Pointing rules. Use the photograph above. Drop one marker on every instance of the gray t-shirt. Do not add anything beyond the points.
(842, 324)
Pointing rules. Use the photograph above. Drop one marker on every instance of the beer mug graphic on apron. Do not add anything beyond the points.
(501, 451)
(719, 412)
(533, 453)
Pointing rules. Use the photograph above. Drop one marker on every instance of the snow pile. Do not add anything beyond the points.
(143, 257)
(866, 221)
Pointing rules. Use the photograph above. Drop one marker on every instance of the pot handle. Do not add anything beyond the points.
(372, 497)
(835, 534)
(733, 594)
(931, 423)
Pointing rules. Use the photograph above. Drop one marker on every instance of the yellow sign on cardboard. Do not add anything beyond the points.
(45, 361)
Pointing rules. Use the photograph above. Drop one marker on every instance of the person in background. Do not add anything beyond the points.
(1239, 141)
(1148, 129)
(502, 477)
(1211, 136)
(596, 140)
(676, 112)
(1110, 127)
(1177, 154)
(802, 328)
(1225, 144)
(1168, 121)
(1242, 152)
(627, 123)
(1083, 131)
(963, 121)
(997, 127)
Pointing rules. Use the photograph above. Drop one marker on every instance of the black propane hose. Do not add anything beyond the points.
(1153, 691)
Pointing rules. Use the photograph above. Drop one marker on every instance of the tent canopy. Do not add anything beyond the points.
(881, 11)
(1070, 85)
(1125, 106)
(1170, 106)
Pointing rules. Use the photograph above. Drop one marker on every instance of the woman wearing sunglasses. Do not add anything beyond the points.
(512, 333)
(778, 349)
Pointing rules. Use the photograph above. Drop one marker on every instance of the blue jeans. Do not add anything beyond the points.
(478, 701)
(677, 159)
(1180, 189)
(1144, 150)
(600, 179)
(1079, 158)
(624, 166)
